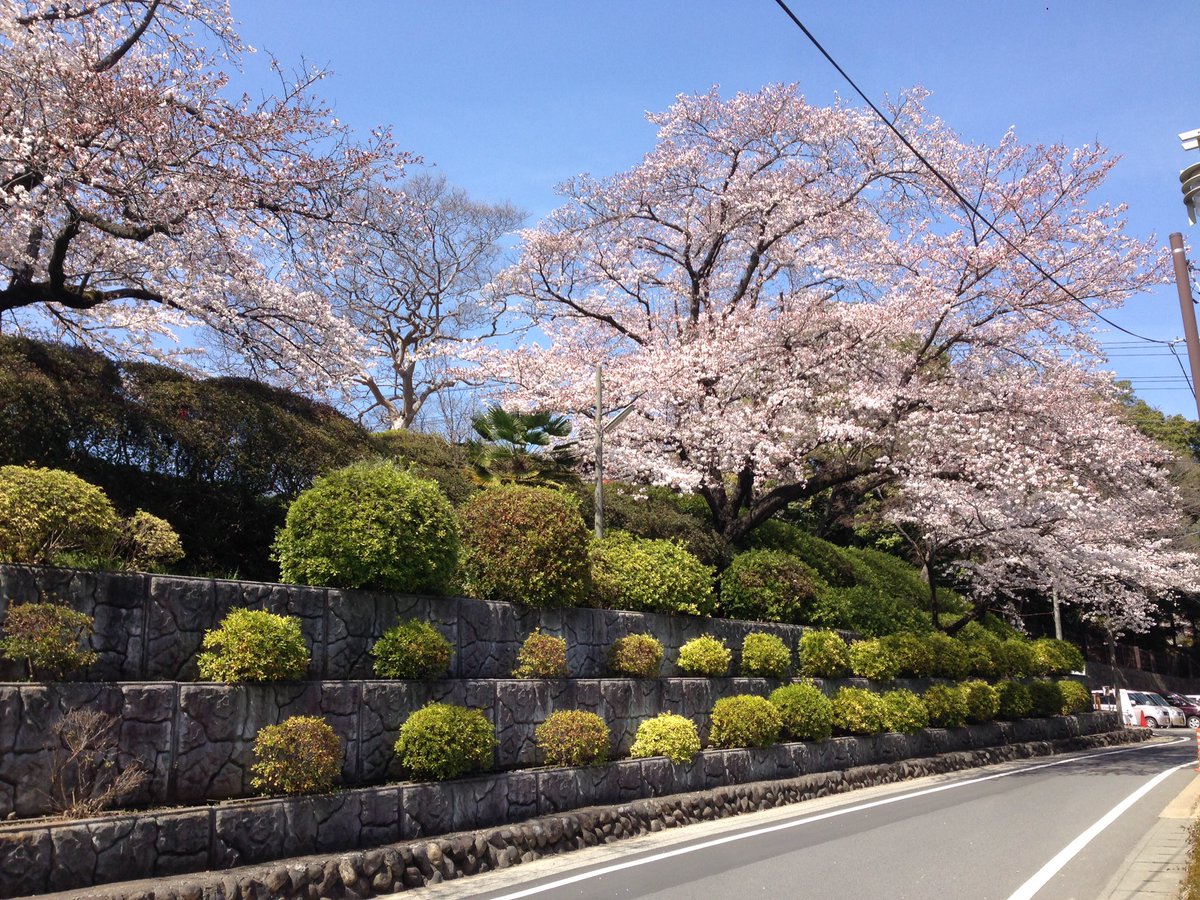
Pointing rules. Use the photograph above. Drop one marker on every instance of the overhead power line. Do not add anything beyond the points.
(949, 185)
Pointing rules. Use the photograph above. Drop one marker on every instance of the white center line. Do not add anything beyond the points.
(795, 823)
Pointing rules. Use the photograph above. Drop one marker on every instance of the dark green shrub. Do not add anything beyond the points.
(873, 659)
(441, 740)
(650, 576)
(573, 737)
(1015, 700)
(768, 585)
(429, 456)
(1052, 657)
(254, 645)
(983, 702)
(636, 655)
(950, 657)
(705, 655)
(765, 656)
(49, 638)
(905, 712)
(828, 560)
(858, 711)
(947, 706)
(45, 513)
(913, 654)
(867, 611)
(1014, 658)
(525, 545)
(370, 525)
(824, 654)
(889, 575)
(1075, 697)
(300, 755)
(1046, 698)
(411, 649)
(984, 654)
(805, 713)
(745, 720)
(542, 656)
(669, 735)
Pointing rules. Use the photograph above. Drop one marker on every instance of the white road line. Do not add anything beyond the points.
(794, 823)
(1050, 869)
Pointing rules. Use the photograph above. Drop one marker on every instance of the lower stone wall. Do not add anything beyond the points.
(149, 627)
(55, 856)
(196, 740)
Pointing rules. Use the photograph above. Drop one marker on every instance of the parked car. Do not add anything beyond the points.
(1133, 705)
(1186, 705)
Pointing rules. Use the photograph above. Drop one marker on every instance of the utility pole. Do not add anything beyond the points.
(599, 518)
(1187, 306)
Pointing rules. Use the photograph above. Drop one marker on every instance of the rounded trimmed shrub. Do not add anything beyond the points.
(874, 660)
(804, 711)
(824, 654)
(636, 655)
(705, 655)
(768, 586)
(300, 755)
(744, 720)
(372, 524)
(950, 658)
(525, 545)
(254, 645)
(411, 649)
(47, 512)
(765, 656)
(913, 654)
(148, 542)
(983, 703)
(1046, 698)
(542, 656)
(573, 737)
(1075, 697)
(1015, 700)
(49, 638)
(904, 711)
(650, 575)
(442, 740)
(984, 654)
(669, 735)
(1054, 657)
(858, 711)
(947, 706)
(1014, 658)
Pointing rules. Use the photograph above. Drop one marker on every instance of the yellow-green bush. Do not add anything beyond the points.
(370, 525)
(542, 656)
(45, 513)
(49, 638)
(947, 706)
(254, 645)
(904, 711)
(765, 656)
(1075, 697)
(873, 659)
(805, 712)
(951, 658)
(573, 737)
(1053, 657)
(1046, 697)
(636, 655)
(769, 586)
(1015, 658)
(650, 575)
(1015, 700)
(705, 655)
(301, 755)
(824, 654)
(148, 542)
(983, 703)
(441, 740)
(525, 545)
(912, 653)
(858, 711)
(745, 720)
(669, 735)
(411, 649)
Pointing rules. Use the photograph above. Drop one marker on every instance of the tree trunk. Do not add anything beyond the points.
(931, 580)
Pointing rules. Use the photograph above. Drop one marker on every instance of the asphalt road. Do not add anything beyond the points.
(1054, 828)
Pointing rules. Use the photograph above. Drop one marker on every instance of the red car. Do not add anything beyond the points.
(1186, 706)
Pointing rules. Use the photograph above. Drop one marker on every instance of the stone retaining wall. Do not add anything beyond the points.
(196, 740)
(149, 627)
(40, 857)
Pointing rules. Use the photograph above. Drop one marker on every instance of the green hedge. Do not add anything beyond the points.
(650, 576)
(768, 586)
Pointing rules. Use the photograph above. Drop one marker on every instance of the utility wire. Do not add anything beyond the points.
(952, 189)
(1191, 386)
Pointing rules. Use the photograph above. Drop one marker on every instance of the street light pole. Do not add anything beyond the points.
(598, 522)
(1187, 306)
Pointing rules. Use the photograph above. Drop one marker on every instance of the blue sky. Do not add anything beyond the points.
(510, 98)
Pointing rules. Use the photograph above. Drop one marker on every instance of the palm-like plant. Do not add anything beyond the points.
(521, 448)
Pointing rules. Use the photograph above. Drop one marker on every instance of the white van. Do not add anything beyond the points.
(1132, 705)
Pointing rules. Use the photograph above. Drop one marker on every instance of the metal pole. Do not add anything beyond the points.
(599, 519)
(1057, 614)
(1183, 283)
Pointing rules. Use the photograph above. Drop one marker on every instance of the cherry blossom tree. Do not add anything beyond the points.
(792, 302)
(141, 204)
